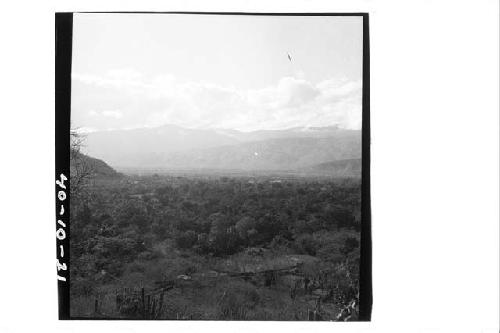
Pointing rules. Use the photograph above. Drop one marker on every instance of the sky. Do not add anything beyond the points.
(213, 71)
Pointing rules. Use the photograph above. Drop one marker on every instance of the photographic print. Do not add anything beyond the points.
(213, 166)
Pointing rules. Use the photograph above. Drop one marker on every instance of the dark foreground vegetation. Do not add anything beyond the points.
(215, 247)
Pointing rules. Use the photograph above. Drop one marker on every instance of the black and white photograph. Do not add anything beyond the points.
(250, 166)
(216, 167)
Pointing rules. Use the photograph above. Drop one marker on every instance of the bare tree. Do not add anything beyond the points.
(80, 168)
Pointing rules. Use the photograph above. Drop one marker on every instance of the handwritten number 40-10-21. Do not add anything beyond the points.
(61, 226)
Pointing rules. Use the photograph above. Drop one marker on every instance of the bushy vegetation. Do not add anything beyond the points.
(140, 230)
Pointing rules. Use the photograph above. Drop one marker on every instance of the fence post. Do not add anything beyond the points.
(160, 305)
(153, 309)
(118, 300)
(148, 306)
(143, 303)
(310, 315)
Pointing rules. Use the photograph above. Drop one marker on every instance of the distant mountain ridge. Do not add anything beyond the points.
(294, 132)
(272, 154)
(345, 168)
(174, 147)
(112, 145)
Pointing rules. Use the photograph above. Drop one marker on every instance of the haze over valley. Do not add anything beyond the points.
(170, 147)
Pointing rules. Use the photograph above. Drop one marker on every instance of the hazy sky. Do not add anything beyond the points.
(210, 71)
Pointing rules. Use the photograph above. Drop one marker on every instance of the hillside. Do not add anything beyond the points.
(173, 147)
(128, 147)
(96, 167)
(273, 154)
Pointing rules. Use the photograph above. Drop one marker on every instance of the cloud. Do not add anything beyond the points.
(106, 113)
(112, 114)
(124, 99)
(289, 92)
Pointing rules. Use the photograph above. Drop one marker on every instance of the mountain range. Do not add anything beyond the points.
(308, 149)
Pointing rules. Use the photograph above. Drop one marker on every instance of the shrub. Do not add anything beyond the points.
(186, 240)
(81, 287)
(136, 267)
(223, 238)
(243, 227)
(237, 299)
(148, 255)
(306, 244)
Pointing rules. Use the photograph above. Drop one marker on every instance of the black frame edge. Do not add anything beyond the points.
(63, 57)
(365, 290)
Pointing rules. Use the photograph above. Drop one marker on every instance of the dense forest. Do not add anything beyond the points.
(216, 247)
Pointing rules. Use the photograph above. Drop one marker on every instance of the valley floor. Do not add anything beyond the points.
(215, 249)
